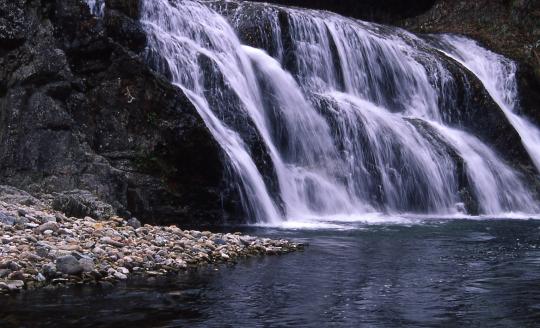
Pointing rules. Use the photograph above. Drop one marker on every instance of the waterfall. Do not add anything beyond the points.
(498, 75)
(97, 7)
(348, 112)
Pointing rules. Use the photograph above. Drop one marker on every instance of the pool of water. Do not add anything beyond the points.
(431, 273)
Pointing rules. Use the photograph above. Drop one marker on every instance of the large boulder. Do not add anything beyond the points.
(69, 265)
(81, 203)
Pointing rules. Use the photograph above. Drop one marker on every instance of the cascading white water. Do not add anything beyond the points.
(309, 180)
(348, 112)
(97, 7)
(498, 74)
(184, 34)
(379, 68)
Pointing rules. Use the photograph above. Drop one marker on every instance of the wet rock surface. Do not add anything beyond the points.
(511, 28)
(376, 10)
(41, 247)
(80, 203)
(82, 115)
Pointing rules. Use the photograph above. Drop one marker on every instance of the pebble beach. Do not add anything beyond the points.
(42, 247)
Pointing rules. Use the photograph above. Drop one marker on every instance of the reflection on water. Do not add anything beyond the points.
(452, 273)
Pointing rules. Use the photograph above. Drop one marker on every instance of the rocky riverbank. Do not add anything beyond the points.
(41, 247)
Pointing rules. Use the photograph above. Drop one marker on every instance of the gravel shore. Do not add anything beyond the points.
(41, 247)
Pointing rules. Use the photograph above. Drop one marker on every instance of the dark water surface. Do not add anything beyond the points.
(450, 273)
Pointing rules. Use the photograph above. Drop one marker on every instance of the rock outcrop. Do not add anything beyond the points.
(373, 10)
(511, 28)
(80, 110)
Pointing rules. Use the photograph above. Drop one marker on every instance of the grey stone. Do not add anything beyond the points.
(120, 276)
(160, 241)
(17, 275)
(22, 220)
(112, 242)
(42, 251)
(40, 277)
(79, 256)
(11, 265)
(13, 195)
(220, 241)
(59, 217)
(134, 223)
(7, 219)
(57, 253)
(247, 240)
(52, 226)
(87, 264)
(11, 285)
(43, 244)
(45, 219)
(49, 270)
(82, 203)
(69, 265)
(123, 270)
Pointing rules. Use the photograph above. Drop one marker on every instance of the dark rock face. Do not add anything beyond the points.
(470, 107)
(131, 8)
(80, 204)
(375, 10)
(80, 110)
(511, 28)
